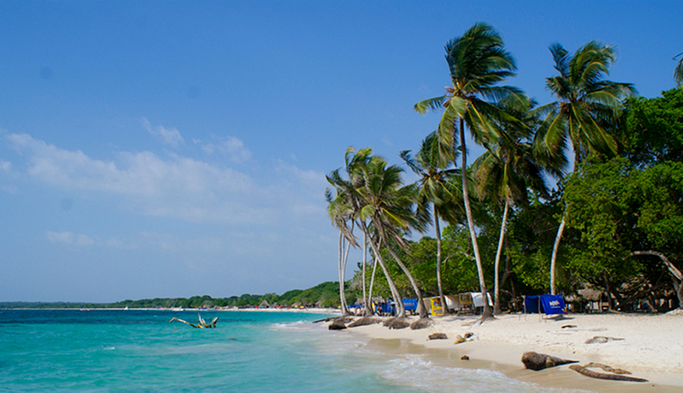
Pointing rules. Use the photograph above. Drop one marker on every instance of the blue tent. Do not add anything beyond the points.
(548, 304)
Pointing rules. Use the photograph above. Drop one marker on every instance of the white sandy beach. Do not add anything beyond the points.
(650, 346)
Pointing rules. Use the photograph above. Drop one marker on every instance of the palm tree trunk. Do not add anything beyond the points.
(496, 284)
(339, 270)
(343, 257)
(444, 308)
(421, 310)
(553, 259)
(470, 222)
(400, 310)
(369, 310)
(365, 261)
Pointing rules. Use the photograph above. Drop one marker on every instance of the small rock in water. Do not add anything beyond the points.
(438, 336)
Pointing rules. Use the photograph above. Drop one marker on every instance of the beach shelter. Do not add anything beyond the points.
(478, 300)
(547, 304)
(466, 300)
(264, 304)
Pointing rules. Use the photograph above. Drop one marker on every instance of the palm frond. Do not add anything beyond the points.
(434, 104)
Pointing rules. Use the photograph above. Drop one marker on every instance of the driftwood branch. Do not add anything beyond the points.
(200, 325)
(613, 377)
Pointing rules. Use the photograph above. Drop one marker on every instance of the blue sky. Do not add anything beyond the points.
(167, 148)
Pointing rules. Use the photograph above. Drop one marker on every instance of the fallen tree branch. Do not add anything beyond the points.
(201, 325)
(613, 377)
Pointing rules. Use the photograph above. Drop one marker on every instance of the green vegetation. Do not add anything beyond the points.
(322, 295)
(516, 220)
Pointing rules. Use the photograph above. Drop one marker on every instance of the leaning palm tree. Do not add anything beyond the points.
(436, 189)
(586, 110)
(389, 205)
(477, 62)
(350, 197)
(341, 215)
(507, 170)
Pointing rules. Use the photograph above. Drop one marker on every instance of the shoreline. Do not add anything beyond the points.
(647, 345)
(326, 311)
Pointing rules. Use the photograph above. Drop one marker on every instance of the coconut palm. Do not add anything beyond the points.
(341, 215)
(586, 110)
(436, 188)
(477, 62)
(350, 197)
(390, 208)
(507, 170)
(678, 71)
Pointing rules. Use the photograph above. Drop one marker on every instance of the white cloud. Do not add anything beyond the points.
(307, 183)
(69, 238)
(177, 187)
(60, 237)
(5, 166)
(170, 136)
(231, 147)
(292, 172)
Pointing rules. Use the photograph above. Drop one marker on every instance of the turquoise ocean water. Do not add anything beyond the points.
(140, 351)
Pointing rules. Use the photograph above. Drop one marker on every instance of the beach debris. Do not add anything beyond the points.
(461, 339)
(325, 319)
(337, 324)
(568, 326)
(613, 377)
(421, 323)
(607, 368)
(602, 340)
(364, 321)
(438, 336)
(539, 361)
(465, 357)
(200, 325)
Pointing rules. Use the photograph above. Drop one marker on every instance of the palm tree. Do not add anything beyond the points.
(341, 215)
(350, 197)
(678, 71)
(389, 206)
(436, 187)
(505, 172)
(587, 107)
(477, 62)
